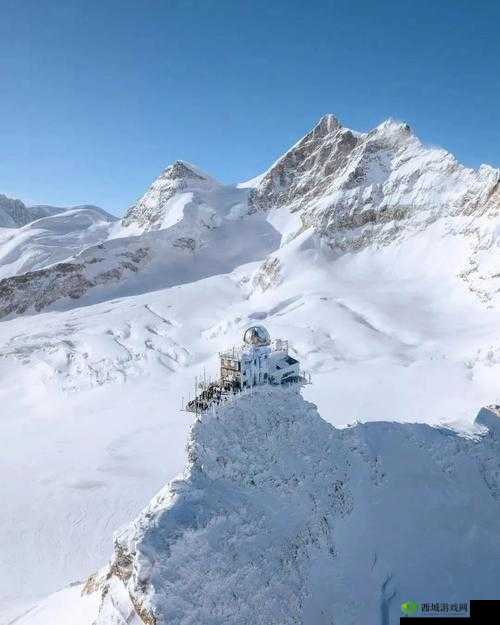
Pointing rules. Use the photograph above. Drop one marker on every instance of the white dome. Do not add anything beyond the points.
(256, 336)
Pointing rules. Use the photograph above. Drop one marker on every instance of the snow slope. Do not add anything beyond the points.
(51, 239)
(279, 516)
(91, 396)
(395, 317)
(67, 606)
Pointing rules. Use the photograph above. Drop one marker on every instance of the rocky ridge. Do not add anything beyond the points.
(356, 189)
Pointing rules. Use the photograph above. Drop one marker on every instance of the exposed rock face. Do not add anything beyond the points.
(35, 290)
(268, 275)
(279, 515)
(356, 189)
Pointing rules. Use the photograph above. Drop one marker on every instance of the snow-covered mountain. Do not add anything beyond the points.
(196, 228)
(377, 188)
(15, 214)
(182, 186)
(279, 518)
(347, 190)
(352, 186)
(377, 257)
(51, 239)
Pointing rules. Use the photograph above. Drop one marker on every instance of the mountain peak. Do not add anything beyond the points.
(183, 169)
(180, 179)
(327, 124)
(392, 126)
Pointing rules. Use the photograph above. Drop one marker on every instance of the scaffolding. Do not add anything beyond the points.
(209, 394)
(212, 393)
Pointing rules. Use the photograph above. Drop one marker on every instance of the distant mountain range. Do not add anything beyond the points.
(15, 214)
(348, 190)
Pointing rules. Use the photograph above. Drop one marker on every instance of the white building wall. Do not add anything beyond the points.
(260, 365)
(255, 366)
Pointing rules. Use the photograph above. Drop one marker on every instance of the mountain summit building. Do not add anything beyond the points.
(256, 362)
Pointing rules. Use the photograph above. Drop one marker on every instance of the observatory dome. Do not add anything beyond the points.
(257, 336)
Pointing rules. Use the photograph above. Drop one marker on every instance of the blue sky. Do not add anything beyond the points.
(96, 98)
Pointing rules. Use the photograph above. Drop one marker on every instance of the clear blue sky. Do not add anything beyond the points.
(97, 97)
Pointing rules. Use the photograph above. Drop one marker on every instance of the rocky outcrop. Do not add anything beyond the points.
(268, 275)
(35, 290)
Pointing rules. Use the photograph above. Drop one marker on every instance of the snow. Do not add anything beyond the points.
(14, 213)
(51, 239)
(278, 516)
(395, 320)
(68, 607)
(252, 183)
(178, 187)
(107, 379)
